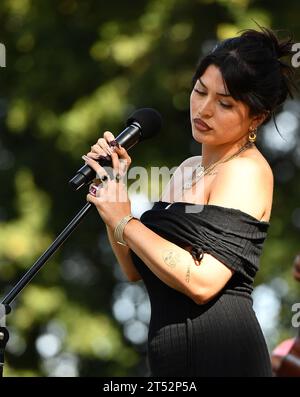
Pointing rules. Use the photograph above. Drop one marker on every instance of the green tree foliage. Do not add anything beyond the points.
(73, 70)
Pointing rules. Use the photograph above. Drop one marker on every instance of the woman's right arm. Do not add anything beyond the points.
(123, 256)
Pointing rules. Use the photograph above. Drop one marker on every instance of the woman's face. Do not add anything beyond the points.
(227, 120)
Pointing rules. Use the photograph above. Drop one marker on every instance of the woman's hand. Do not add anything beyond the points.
(106, 146)
(108, 191)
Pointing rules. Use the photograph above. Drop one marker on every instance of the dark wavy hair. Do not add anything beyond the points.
(253, 71)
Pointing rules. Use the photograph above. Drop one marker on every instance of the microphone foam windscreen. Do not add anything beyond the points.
(149, 119)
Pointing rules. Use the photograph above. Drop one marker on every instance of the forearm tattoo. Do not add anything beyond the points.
(188, 273)
(171, 258)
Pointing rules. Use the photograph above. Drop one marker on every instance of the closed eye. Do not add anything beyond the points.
(224, 105)
(199, 92)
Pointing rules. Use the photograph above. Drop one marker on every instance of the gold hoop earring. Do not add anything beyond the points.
(252, 135)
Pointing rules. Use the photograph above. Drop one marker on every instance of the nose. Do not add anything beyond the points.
(205, 109)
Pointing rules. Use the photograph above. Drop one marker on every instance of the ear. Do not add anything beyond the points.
(259, 119)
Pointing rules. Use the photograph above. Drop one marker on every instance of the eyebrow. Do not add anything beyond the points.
(218, 93)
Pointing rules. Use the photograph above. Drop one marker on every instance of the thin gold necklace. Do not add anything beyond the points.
(200, 171)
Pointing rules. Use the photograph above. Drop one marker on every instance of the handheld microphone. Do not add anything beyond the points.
(142, 124)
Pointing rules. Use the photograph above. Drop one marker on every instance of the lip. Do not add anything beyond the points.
(200, 125)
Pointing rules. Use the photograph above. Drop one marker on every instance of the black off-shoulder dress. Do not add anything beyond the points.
(223, 336)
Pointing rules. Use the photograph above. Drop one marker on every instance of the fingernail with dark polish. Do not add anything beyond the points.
(114, 143)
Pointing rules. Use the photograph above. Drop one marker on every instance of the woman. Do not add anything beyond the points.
(199, 266)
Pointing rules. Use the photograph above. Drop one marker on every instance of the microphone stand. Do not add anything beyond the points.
(28, 276)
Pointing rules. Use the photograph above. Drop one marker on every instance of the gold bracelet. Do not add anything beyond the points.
(118, 232)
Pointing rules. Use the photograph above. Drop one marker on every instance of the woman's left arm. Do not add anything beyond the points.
(175, 266)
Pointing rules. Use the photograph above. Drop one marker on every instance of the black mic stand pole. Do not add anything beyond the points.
(28, 276)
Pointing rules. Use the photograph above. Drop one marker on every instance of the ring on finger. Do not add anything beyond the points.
(93, 189)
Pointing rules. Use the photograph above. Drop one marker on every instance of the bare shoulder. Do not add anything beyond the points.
(245, 183)
(256, 164)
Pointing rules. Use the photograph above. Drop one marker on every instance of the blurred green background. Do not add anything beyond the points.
(73, 70)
